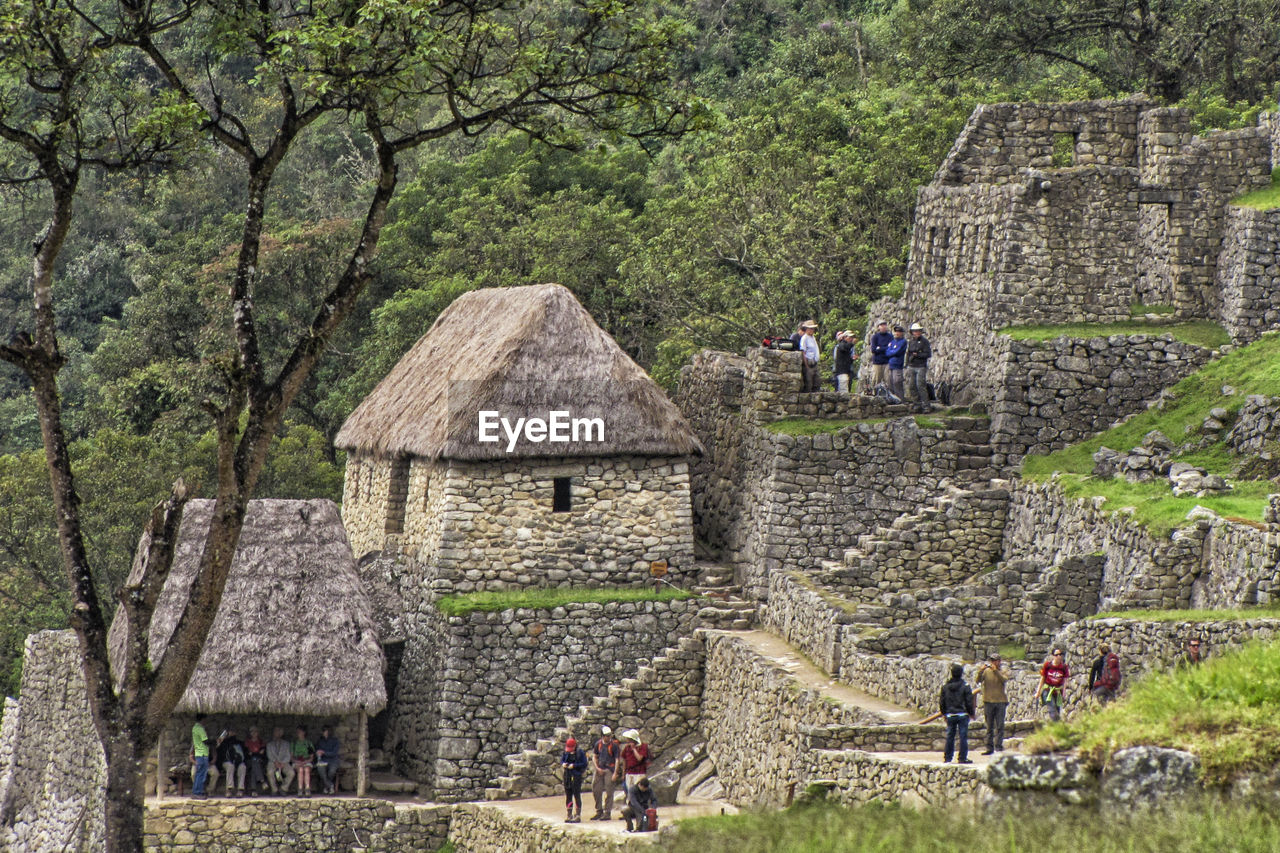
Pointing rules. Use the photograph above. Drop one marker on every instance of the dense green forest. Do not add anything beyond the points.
(790, 198)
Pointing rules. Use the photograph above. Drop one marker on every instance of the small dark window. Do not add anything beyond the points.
(561, 500)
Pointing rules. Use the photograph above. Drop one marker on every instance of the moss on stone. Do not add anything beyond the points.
(545, 599)
(1201, 333)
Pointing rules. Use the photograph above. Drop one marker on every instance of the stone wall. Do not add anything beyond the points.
(485, 829)
(810, 621)
(1257, 424)
(1055, 393)
(710, 398)
(752, 714)
(911, 737)
(1241, 566)
(863, 777)
(294, 826)
(1248, 274)
(504, 679)
(663, 701)
(366, 487)
(54, 782)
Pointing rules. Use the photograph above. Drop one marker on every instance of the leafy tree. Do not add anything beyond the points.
(253, 78)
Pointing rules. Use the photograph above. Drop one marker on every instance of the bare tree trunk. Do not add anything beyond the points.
(126, 778)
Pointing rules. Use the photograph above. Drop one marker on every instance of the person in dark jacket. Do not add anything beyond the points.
(843, 358)
(957, 705)
(917, 362)
(1104, 676)
(897, 351)
(231, 758)
(574, 762)
(879, 346)
(639, 800)
(328, 760)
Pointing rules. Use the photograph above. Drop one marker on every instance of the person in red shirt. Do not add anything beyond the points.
(635, 759)
(1053, 680)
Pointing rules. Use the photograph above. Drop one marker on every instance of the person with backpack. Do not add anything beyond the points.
(1053, 680)
(641, 809)
(896, 351)
(956, 703)
(604, 758)
(917, 358)
(843, 357)
(1104, 677)
(574, 763)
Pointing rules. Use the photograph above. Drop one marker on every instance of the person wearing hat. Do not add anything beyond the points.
(843, 358)
(897, 351)
(809, 356)
(879, 346)
(917, 363)
(635, 759)
(604, 758)
(995, 701)
(574, 762)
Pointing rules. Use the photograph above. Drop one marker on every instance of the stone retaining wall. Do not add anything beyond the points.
(1257, 424)
(800, 614)
(1249, 272)
(294, 826)
(486, 829)
(1241, 566)
(912, 737)
(752, 714)
(1055, 393)
(863, 777)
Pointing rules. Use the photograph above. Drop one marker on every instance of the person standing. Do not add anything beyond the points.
(1192, 656)
(1054, 673)
(957, 705)
(879, 347)
(917, 362)
(842, 358)
(200, 750)
(279, 763)
(604, 760)
(574, 763)
(809, 357)
(897, 352)
(995, 701)
(635, 759)
(1104, 676)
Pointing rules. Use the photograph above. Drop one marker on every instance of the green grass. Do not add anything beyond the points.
(1224, 711)
(1202, 333)
(1263, 199)
(1254, 369)
(1013, 651)
(1232, 615)
(1138, 309)
(811, 426)
(544, 599)
(875, 828)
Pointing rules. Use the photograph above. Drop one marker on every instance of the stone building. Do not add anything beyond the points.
(591, 488)
(294, 642)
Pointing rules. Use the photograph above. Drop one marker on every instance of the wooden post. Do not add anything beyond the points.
(160, 768)
(362, 758)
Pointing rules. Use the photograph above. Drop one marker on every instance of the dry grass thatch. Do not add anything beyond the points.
(295, 632)
(523, 352)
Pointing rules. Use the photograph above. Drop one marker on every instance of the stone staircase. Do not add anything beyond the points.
(725, 608)
(383, 781)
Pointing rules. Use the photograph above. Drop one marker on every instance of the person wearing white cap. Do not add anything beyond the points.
(809, 356)
(635, 758)
(604, 759)
(918, 353)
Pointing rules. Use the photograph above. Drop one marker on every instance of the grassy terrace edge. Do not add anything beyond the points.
(1238, 614)
(1201, 333)
(1267, 198)
(545, 599)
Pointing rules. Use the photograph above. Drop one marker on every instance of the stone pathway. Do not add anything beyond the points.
(778, 651)
(976, 757)
(551, 810)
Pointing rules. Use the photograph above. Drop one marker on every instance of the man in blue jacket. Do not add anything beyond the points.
(896, 352)
(880, 340)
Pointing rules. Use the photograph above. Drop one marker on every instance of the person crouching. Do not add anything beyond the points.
(640, 812)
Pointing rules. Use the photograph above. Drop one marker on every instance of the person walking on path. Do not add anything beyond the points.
(809, 357)
(200, 750)
(635, 759)
(897, 353)
(1104, 677)
(957, 705)
(917, 361)
(604, 759)
(1190, 657)
(995, 701)
(879, 346)
(842, 358)
(574, 763)
(1053, 681)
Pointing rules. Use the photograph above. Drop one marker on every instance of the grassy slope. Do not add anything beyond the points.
(1265, 199)
(1224, 711)
(880, 829)
(542, 599)
(1233, 615)
(1254, 369)
(1204, 333)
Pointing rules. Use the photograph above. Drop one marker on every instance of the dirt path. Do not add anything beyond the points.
(551, 809)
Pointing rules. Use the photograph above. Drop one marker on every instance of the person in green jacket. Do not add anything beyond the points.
(303, 754)
(200, 749)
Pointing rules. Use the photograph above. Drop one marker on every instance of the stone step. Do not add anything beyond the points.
(389, 783)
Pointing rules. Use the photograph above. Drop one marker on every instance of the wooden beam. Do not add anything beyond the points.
(362, 758)
(160, 768)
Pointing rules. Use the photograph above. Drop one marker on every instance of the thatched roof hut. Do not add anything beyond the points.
(518, 351)
(295, 632)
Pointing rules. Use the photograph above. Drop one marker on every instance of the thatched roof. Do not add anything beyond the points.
(522, 352)
(295, 631)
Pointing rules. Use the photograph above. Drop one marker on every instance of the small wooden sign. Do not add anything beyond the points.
(658, 568)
